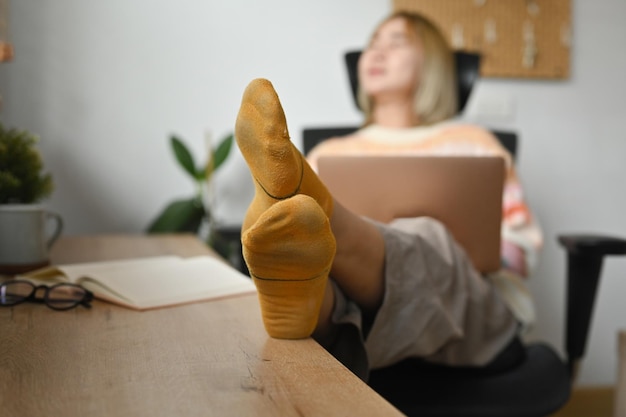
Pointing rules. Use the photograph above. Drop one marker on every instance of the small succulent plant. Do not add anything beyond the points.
(22, 180)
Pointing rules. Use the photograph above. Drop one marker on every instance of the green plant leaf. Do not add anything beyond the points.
(183, 156)
(179, 216)
(222, 151)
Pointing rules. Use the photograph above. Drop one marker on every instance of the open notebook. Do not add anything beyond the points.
(464, 193)
(152, 282)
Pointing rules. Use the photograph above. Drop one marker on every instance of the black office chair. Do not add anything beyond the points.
(541, 381)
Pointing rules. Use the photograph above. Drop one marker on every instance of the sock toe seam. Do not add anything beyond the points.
(289, 195)
(321, 274)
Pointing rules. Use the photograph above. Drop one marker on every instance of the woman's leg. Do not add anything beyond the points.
(360, 259)
(358, 268)
(280, 173)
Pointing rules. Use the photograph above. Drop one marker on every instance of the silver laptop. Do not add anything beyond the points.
(464, 193)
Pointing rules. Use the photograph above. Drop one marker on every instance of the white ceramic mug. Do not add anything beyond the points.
(26, 233)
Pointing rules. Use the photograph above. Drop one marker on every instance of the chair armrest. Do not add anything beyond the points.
(585, 254)
(593, 244)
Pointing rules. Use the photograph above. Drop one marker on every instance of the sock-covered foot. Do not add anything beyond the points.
(278, 168)
(289, 251)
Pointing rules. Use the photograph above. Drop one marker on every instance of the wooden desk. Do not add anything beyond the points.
(204, 359)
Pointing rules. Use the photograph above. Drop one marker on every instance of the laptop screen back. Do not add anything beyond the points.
(464, 193)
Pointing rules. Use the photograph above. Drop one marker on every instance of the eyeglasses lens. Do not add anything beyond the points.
(64, 296)
(15, 292)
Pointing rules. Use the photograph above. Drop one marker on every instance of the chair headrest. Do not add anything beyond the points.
(467, 72)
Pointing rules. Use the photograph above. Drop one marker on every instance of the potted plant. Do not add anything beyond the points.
(23, 184)
(193, 213)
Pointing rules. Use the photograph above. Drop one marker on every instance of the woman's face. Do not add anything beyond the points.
(391, 64)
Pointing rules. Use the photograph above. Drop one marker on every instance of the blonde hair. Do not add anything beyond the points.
(435, 98)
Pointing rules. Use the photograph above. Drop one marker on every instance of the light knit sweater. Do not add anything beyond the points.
(521, 235)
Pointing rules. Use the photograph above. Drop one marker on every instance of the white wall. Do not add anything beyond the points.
(105, 83)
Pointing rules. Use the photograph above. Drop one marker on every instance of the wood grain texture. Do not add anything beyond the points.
(204, 359)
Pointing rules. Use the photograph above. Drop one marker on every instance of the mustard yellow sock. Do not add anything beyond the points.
(289, 251)
(279, 170)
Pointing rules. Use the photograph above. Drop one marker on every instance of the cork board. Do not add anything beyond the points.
(516, 38)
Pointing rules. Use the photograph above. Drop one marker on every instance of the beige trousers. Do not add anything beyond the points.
(436, 306)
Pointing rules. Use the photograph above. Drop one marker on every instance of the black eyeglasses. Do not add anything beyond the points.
(58, 297)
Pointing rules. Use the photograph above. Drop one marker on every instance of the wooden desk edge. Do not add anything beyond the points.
(82, 248)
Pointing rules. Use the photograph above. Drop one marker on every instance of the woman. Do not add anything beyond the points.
(395, 291)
